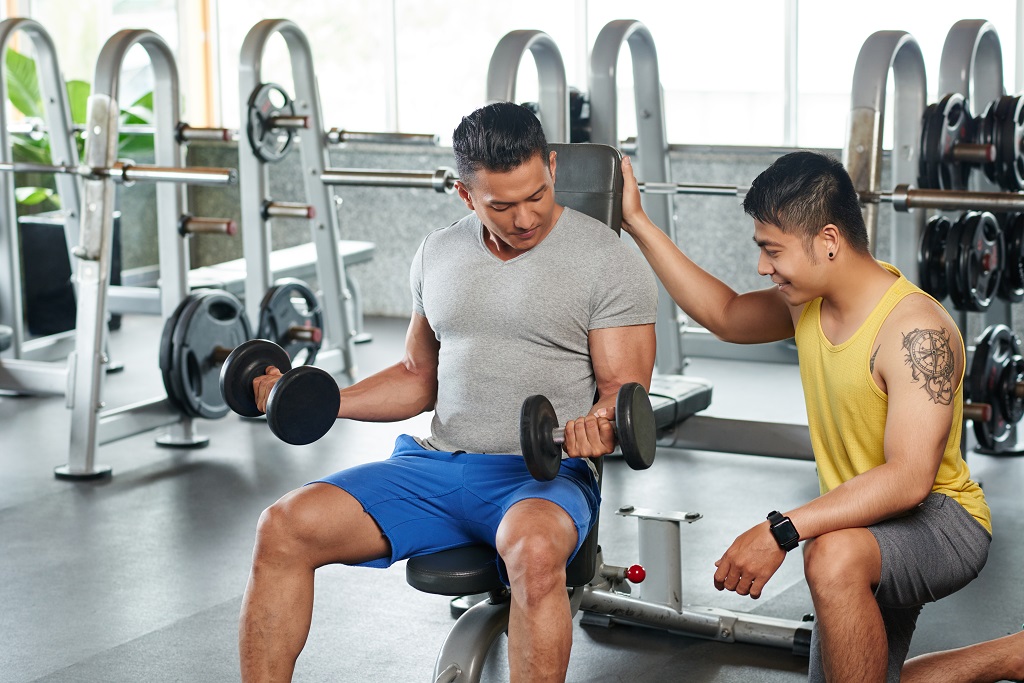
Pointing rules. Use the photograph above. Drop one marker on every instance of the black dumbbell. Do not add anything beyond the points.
(541, 437)
(302, 405)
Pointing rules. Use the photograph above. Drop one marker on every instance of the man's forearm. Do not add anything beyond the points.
(393, 394)
(880, 493)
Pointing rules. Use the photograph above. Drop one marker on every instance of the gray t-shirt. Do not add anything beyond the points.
(510, 329)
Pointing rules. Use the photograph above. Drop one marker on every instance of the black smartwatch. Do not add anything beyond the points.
(783, 530)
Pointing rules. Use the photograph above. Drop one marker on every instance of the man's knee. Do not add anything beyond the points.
(535, 564)
(285, 529)
(841, 560)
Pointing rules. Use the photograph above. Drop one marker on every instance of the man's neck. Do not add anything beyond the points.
(854, 291)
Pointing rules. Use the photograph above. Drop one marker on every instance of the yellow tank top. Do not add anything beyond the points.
(846, 410)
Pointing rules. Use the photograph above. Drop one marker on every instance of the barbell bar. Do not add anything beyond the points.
(904, 197)
(127, 173)
(185, 133)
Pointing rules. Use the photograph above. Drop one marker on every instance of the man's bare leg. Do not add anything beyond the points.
(842, 569)
(308, 528)
(993, 660)
(535, 539)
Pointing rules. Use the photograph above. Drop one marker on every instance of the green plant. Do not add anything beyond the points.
(34, 192)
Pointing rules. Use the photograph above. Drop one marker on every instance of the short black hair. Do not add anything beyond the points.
(497, 137)
(802, 192)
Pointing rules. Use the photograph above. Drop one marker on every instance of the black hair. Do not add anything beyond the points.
(498, 137)
(802, 192)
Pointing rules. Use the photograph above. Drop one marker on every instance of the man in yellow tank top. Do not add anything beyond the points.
(899, 521)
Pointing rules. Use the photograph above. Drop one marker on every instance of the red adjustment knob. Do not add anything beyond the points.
(636, 574)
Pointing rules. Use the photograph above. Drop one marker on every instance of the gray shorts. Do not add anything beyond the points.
(927, 554)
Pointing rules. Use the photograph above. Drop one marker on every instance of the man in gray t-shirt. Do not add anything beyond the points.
(521, 297)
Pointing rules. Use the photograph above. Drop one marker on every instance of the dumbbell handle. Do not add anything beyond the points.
(558, 434)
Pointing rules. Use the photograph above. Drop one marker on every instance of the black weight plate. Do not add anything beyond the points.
(269, 100)
(635, 426)
(537, 420)
(1013, 405)
(993, 352)
(303, 405)
(1015, 164)
(944, 125)
(215, 323)
(952, 258)
(1011, 284)
(247, 362)
(981, 260)
(988, 134)
(1010, 166)
(931, 259)
(166, 353)
(291, 303)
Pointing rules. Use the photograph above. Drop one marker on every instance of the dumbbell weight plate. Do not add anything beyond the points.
(537, 420)
(215, 320)
(303, 405)
(268, 143)
(291, 303)
(247, 362)
(635, 426)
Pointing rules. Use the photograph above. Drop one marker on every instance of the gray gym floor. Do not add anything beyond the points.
(139, 578)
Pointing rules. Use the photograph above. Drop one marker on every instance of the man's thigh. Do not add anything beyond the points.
(935, 550)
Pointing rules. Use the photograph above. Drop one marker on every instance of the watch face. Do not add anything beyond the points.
(785, 534)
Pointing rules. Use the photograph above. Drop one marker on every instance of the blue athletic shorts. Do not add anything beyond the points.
(426, 501)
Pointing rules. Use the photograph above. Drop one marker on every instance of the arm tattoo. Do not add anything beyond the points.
(930, 358)
(873, 356)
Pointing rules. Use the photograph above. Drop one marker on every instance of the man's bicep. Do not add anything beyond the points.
(921, 364)
(421, 346)
(622, 354)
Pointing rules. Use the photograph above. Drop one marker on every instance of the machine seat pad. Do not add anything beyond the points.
(468, 570)
(677, 397)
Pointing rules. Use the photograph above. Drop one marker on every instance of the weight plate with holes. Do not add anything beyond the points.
(931, 257)
(1002, 126)
(635, 427)
(269, 142)
(1011, 284)
(980, 260)
(953, 279)
(537, 420)
(210, 326)
(943, 125)
(990, 365)
(291, 317)
(167, 350)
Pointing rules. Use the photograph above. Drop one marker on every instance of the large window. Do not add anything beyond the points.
(419, 66)
(830, 38)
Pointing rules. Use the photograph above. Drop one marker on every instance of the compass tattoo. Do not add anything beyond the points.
(931, 359)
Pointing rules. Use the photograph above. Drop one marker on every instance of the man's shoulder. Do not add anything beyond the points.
(460, 230)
